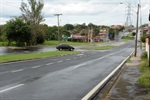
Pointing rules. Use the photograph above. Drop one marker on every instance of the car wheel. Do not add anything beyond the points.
(70, 49)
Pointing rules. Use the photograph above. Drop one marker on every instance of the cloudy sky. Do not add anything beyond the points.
(99, 12)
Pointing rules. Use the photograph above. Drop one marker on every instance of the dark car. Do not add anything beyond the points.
(65, 47)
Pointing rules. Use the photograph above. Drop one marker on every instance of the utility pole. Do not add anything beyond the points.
(137, 21)
(58, 27)
(141, 30)
(137, 28)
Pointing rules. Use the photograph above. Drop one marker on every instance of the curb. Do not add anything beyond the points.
(101, 85)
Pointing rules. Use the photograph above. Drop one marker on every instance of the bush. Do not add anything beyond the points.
(144, 66)
(144, 55)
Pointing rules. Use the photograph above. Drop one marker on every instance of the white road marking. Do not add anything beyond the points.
(1, 91)
(75, 58)
(49, 63)
(68, 59)
(77, 66)
(14, 71)
(60, 61)
(36, 66)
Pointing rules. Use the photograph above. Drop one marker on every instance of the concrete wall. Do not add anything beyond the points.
(147, 47)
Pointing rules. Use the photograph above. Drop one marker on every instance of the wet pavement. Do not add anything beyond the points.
(127, 87)
(16, 50)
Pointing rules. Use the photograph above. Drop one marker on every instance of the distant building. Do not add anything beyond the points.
(147, 28)
(77, 37)
(116, 26)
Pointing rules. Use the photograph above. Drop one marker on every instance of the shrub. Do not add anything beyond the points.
(144, 80)
(144, 55)
(144, 66)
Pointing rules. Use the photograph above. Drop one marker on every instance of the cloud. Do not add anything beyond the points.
(78, 11)
(77, 8)
(9, 9)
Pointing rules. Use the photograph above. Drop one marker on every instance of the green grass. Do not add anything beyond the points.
(49, 43)
(98, 47)
(127, 38)
(3, 43)
(54, 43)
(17, 57)
(6, 44)
(144, 78)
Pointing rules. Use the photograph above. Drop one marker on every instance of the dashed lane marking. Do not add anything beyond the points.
(75, 58)
(68, 59)
(19, 70)
(36, 66)
(1, 91)
(60, 61)
(49, 63)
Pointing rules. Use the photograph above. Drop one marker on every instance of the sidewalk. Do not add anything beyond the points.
(126, 87)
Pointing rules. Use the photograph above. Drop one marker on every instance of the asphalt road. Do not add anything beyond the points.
(68, 77)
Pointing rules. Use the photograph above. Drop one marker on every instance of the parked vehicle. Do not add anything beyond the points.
(65, 47)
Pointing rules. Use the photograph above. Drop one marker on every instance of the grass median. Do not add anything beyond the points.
(98, 47)
(18, 57)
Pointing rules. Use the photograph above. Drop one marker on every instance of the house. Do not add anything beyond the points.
(116, 27)
(100, 37)
(77, 37)
(147, 39)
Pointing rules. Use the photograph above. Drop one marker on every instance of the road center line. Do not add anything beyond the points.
(75, 58)
(79, 65)
(36, 66)
(68, 59)
(60, 61)
(1, 91)
(49, 63)
(14, 71)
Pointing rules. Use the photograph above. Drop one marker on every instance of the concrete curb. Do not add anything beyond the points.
(100, 86)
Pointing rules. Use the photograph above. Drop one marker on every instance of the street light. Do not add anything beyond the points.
(58, 27)
(137, 21)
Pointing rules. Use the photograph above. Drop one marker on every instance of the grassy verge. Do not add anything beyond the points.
(50, 43)
(144, 78)
(98, 47)
(54, 43)
(17, 57)
(127, 38)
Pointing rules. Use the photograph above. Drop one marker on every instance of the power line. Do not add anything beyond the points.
(128, 18)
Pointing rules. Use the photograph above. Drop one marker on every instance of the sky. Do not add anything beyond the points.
(98, 12)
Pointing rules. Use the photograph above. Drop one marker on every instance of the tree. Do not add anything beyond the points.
(2, 33)
(68, 27)
(143, 37)
(111, 33)
(32, 15)
(52, 33)
(133, 34)
(18, 31)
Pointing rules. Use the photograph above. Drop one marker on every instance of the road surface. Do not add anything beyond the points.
(68, 77)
